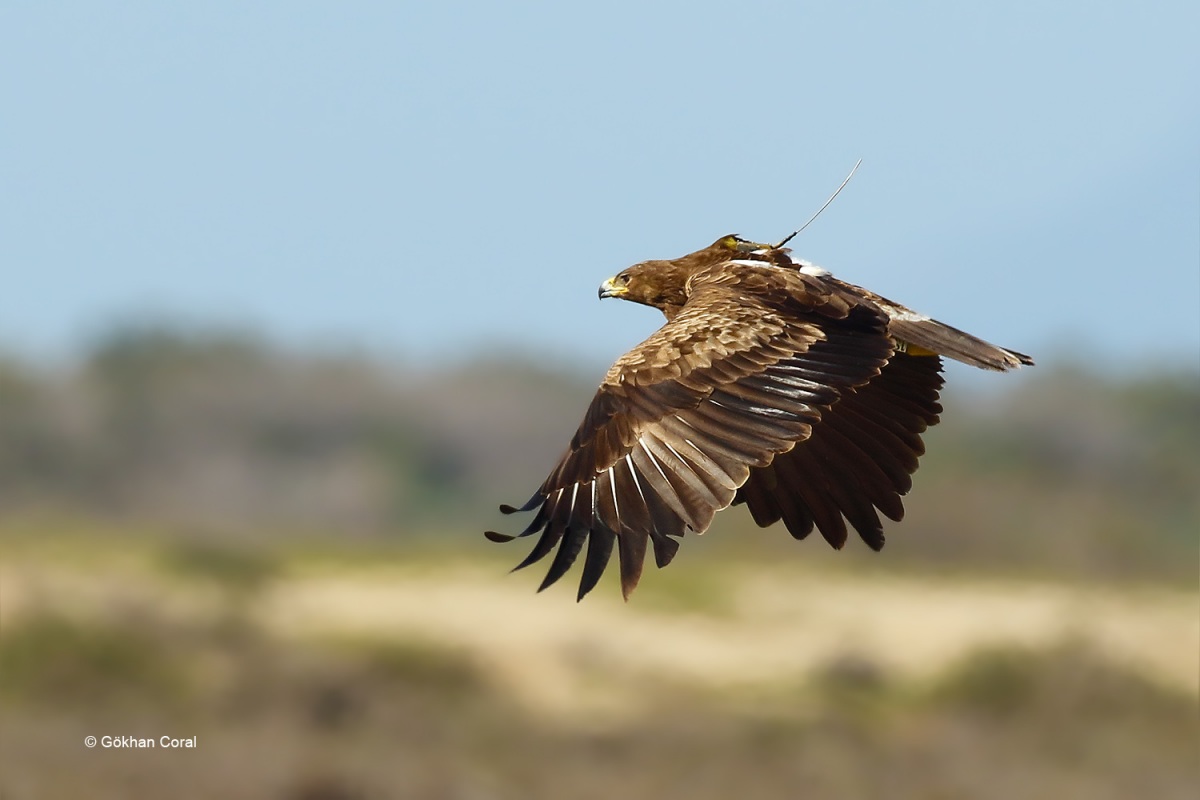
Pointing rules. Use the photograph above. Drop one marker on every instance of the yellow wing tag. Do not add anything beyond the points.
(911, 349)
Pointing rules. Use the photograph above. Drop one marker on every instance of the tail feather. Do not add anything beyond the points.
(911, 329)
(915, 332)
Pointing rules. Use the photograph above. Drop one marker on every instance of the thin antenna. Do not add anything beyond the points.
(788, 238)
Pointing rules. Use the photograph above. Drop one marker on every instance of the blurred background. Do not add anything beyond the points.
(297, 294)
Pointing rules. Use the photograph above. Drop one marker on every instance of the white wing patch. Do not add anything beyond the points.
(903, 314)
(807, 267)
(812, 269)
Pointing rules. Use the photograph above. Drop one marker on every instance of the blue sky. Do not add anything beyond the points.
(424, 180)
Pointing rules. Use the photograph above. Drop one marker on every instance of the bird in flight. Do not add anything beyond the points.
(772, 384)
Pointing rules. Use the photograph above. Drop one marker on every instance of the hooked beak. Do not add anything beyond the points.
(610, 288)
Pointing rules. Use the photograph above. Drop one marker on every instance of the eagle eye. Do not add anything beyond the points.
(624, 279)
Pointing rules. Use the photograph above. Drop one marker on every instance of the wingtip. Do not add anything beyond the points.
(548, 581)
(583, 592)
(499, 538)
(533, 503)
(1016, 360)
(627, 588)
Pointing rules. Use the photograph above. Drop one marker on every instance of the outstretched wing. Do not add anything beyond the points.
(741, 374)
(858, 460)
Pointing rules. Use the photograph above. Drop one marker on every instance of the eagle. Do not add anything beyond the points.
(772, 385)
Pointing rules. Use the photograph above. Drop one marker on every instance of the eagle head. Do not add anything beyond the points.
(663, 283)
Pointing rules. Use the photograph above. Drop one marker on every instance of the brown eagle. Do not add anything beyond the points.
(772, 384)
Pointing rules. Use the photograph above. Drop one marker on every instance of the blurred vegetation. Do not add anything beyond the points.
(155, 493)
(1060, 469)
(363, 719)
(50, 658)
(221, 430)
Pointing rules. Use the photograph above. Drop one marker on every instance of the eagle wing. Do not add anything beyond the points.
(742, 374)
(861, 457)
(865, 451)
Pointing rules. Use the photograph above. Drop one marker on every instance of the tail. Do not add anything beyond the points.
(915, 332)
(942, 339)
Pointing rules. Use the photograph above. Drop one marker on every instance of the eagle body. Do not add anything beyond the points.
(772, 384)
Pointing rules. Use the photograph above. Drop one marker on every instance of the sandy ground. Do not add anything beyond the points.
(766, 627)
(778, 627)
